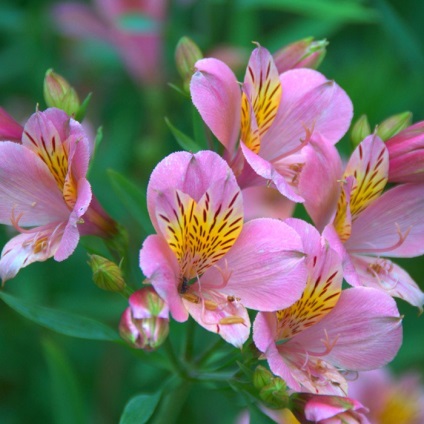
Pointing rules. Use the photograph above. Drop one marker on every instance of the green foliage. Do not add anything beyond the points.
(60, 321)
(140, 408)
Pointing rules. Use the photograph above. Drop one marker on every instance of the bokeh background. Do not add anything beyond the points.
(375, 52)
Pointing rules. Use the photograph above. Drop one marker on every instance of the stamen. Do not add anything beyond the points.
(402, 238)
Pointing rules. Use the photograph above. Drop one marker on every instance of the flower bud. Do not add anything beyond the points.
(391, 126)
(59, 93)
(361, 129)
(406, 155)
(262, 377)
(145, 324)
(305, 53)
(274, 394)
(187, 53)
(106, 274)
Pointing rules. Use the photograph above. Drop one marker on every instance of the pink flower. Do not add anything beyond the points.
(322, 409)
(265, 124)
(406, 153)
(365, 223)
(9, 129)
(327, 330)
(43, 186)
(390, 399)
(139, 47)
(203, 261)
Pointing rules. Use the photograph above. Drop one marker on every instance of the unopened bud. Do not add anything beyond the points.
(361, 129)
(106, 274)
(187, 53)
(262, 377)
(391, 126)
(145, 324)
(275, 395)
(59, 93)
(305, 53)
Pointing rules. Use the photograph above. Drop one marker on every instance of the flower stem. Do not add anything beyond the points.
(175, 362)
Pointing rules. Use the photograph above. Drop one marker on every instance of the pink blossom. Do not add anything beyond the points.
(265, 124)
(203, 261)
(9, 129)
(327, 330)
(140, 49)
(365, 224)
(43, 186)
(406, 153)
(390, 399)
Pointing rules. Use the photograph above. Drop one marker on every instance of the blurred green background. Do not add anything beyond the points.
(376, 53)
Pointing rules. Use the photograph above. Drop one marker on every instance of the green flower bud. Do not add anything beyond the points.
(275, 395)
(59, 93)
(262, 377)
(396, 123)
(106, 274)
(187, 53)
(361, 129)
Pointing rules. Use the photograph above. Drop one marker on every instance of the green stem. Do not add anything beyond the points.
(172, 402)
(189, 342)
(204, 357)
(175, 362)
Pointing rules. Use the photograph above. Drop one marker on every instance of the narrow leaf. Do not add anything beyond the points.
(133, 198)
(183, 140)
(140, 408)
(60, 321)
(65, 396)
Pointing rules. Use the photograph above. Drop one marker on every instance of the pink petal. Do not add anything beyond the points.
(384, 275)
(309, 101)
(364, 326)
(262, 201)
(267, 170)
(381, 228)
(264, 269)
(214, 320)
(10, 130)
(319, 180)
(192, 174)
(216, 94)
(27, 187)
(159, 264)
(71, 235)
(36, 245)
(80, 21)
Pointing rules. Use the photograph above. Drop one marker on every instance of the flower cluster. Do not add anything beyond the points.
(225, 241)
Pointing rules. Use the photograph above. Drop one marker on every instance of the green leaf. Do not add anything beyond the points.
(60, 321)
(183, 140)
(65, 398)
(82, 110)
(140, 408)
(338, 10)
(133, 198)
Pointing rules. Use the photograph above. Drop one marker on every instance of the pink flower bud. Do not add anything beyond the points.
(406, 155)
(305, 53)
(145, 324)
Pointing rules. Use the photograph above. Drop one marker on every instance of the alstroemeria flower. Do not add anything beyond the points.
(367, 224)
(324, 409)
(204, 261)
(44, 189)
(406, 154)
(133, 27)
(265, 123)
(389, 399)
(10, 130)
(327, 330)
